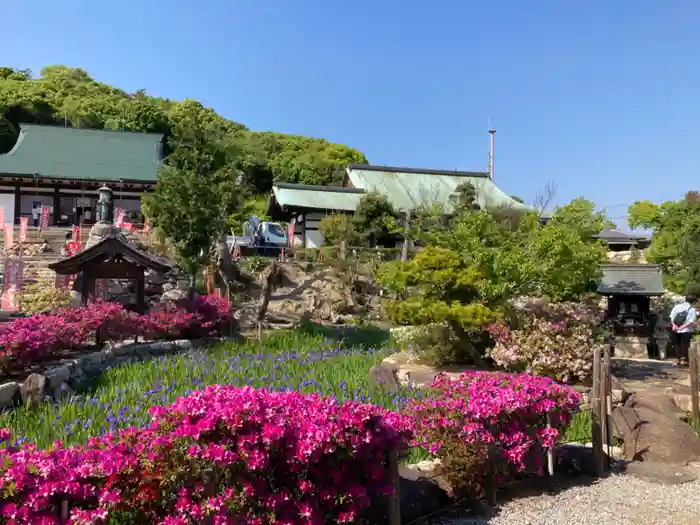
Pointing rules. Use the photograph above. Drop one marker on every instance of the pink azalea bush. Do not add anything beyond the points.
(222, 455)
(46, 336)
(461, 418)
(549, 339)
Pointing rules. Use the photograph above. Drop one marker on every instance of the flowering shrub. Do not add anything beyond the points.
(45, 336)
(461, 418)
(222, 455)
(549, 339)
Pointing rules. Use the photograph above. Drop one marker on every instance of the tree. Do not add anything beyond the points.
(196, 192)
(337, 228)
(643, 214)
(375, 220)
(445, 289)
(675, 243)
(580, 215)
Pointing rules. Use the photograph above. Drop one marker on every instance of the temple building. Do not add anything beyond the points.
(62, 168)
(406, 188)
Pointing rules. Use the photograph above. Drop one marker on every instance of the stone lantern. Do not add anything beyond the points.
(105, 206)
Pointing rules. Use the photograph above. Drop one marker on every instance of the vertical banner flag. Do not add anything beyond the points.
(72, 248)
(76, 233)
(2, 217)
(23, 226)
(100, 289)
(14, 279)
(290, 233)
(118, 217)
(9, 236)
(44, 219)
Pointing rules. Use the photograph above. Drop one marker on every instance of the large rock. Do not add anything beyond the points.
(385, 375)
(656, 401)
(649, 435)
(34, 389)
(661, 473)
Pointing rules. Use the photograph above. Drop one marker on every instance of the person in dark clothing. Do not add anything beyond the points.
(683, 318)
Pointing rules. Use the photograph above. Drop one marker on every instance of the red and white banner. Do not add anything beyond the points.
(44, 219)
(290, 233)
(9, 236)
(72, 248)
(14, 279)
(76, 233)
(63, 282)
(100, 292)
(119, 217)
(128, 226)
(23, 226)
(2, 217)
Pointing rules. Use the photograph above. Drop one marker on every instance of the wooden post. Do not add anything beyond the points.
(65, 510)
(342, 250)
(693, 362)
(597, 437)
(395, 498)
(490, 487)
(606, 401)
(404, 248)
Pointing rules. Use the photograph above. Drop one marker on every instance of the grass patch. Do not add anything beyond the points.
(581, 428)
(121, 397)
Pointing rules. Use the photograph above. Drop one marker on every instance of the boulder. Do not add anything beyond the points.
(33, 390)
(656, 401)
(385, 375)
(9, 394)
(661, 473)
(649, 435)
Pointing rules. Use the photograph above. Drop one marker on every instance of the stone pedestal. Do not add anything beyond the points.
(631, 347)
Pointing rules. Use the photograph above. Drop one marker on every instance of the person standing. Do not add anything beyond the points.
(683, 317)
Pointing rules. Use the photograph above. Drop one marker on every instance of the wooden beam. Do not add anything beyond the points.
(694, 395)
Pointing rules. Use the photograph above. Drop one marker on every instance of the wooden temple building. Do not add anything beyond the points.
(109, 255)
(62, 168)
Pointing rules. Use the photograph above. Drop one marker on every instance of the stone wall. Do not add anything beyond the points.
(61, 379)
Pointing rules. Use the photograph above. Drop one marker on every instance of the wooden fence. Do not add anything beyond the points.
(601, 409)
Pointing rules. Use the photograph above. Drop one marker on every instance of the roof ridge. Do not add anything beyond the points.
(317, 187)
(29, 125)
(418, 171)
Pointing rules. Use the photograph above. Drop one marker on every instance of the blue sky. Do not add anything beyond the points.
(599, 96)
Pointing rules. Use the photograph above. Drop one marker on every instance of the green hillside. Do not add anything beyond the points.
(69, 96)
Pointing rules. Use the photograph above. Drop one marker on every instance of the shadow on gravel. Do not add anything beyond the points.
(574, 468)
(482, 514)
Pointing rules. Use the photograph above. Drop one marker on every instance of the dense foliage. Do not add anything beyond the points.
(225, 454)
(69, 96)
(475, 264)
(42, 296)
(675, 244)
(48, 336)
(462, 418)
(548, 339)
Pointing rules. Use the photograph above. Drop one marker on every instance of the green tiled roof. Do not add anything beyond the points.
(631, 279)
(409, 188)
(316, 197)
(53, 151)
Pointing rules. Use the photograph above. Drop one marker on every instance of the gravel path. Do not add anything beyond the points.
(616, 500)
